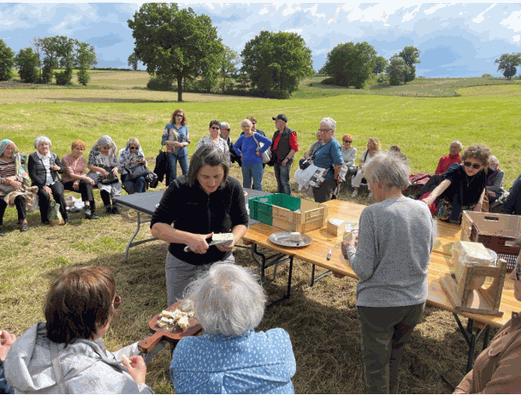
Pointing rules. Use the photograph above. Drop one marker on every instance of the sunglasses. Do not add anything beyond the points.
(117, 301)
(216, 128)
(228, 129)
(133, 147)
(347, 141)
(473, 165)
(180, 115)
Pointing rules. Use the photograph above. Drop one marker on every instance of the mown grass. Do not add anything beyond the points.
(321, 320)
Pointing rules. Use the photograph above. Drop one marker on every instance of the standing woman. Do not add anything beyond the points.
(390, 257)
(75, 178)
(246, 146)
(463, 185)
(44, 166)
(102, 160)
(373, 146)
(12, 177)
(205, 201)
(176, 138)
(215, 140)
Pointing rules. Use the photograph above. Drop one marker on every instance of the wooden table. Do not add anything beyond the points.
(440, 264)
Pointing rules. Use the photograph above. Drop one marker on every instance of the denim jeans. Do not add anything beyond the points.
(254, 171)
(282, 176)
(139, 184)
(172, 162)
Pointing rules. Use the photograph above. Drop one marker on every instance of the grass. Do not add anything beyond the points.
(321, 320)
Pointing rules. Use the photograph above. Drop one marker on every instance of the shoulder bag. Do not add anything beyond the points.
(265, 155)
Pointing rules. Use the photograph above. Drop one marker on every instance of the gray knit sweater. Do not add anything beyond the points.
(395, 242)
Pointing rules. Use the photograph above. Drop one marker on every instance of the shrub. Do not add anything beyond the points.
(83, 77)
(159, 84)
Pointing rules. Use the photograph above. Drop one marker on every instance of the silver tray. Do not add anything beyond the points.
(282, 239)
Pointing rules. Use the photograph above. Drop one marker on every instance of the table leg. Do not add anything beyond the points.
(131, 243)
(472, 336)
(320, 277)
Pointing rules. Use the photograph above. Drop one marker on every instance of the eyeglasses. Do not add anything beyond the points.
(117, 301)
(228, 129)
(323, 130)
(216, 128)
(133, 147)
(473, 165)
(179, 115)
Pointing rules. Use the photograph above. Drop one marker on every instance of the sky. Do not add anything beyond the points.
(455, 39)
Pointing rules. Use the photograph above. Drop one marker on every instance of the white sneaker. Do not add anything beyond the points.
(354, 194)
(370, 196)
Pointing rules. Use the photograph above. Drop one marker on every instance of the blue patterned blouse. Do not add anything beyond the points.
(254, 363)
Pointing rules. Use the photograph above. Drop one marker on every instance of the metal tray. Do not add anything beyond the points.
(282, 239)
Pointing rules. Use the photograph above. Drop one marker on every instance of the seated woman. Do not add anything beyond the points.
(102, 160)
(390, 256)
(12, 178)
(496, 369)
(6, 341)
(373, 146)
(214, 139)
(130, 157)
(205, 201)
(66, 354)
(246, 147)
(349, 154)
(231, 357)
(463, 185)
(75, 178)
(495, 180)
(43, 168)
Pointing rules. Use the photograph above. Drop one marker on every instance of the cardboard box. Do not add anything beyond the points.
(288, 213)
(495, 231)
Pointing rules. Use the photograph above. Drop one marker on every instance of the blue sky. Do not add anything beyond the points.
(456, 40)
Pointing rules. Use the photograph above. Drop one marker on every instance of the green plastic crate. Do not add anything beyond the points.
(261, 208)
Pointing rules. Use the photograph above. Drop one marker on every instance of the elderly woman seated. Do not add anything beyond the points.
(463, 185)
(43, 167)
(12, 179)
(66, 354)
(495, 179)
(130, 159)
(231, 357)
(390, 257)
(373, 147)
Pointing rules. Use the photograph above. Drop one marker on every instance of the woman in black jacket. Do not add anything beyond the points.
(44, 167)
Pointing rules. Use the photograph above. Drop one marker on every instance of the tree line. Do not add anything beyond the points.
(37, 64)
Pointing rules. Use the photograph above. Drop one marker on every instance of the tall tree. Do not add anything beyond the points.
(276, 63)
(27, 62)
(229, 61)
(133, 61)
(411, 56)
(85, 59)
(6, 61)
(380, 63)
(508, 64)
(397, 70)
(351, 64)
(174, 43)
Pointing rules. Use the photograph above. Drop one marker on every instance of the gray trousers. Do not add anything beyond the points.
(385, 332)
(179, 274)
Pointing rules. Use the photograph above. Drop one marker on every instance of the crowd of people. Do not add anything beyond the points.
(66, 353)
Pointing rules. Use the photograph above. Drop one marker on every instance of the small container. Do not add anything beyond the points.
(351, 235)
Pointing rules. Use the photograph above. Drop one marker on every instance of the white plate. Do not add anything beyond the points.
(282, 239)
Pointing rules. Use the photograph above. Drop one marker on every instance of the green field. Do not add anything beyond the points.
(321, 320)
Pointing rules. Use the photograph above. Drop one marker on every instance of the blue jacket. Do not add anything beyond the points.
(247, 146)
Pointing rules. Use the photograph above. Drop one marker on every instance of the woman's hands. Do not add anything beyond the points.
(7, 340)
(54, 167)
(47, 189)
(76, 185)
(114, 171)
(89, 180)
(103, 172)
(198, 244)
(13, 181)
(136, 367)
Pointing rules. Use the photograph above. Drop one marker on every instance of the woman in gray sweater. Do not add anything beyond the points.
(390, 257)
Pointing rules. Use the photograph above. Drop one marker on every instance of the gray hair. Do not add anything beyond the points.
(330, 122)
(246, 121)
(388, 169)
(225, 125)
(41, 139)
(228, 299)
(459, 143)
(206, 155)
(493, 159)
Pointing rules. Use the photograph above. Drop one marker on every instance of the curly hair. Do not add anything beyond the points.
(375, 143)
(347, 137)
(479, 152)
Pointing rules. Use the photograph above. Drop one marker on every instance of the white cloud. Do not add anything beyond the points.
(435, 8)
(313, 12)
(516, 38)
(410, 15)
(480, 18)
(298, 31)
(377, 13)
(264, 10)
(513, 21)
(291, 9)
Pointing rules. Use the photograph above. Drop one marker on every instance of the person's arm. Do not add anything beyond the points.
(262, 139)
(440, 168)
(509, 205)
(58, 165)
(238, 144)
(437, 192)
(239, 218)
(32, 170)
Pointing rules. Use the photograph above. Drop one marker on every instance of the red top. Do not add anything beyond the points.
(447, 161)
(292, 142)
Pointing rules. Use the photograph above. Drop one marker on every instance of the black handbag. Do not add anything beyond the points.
(140, 170)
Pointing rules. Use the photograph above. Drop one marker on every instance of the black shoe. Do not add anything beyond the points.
(46, 222)
(93, 216)
(87, 212)
(24, 227)
(108, 209)
(115, 209)
(66, 221)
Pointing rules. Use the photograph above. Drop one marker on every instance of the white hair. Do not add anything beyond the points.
(459, 143)
(493, 159)
(225, 125)
(246, 121)
(41, 139)
(330, 122)
(228, 300)
(388, 169)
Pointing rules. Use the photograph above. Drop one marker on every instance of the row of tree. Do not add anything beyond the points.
(49, 53)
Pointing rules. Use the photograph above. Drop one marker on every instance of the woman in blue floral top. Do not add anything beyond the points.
(231, 357)
(176, 138)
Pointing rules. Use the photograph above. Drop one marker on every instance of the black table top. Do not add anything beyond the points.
(146, 202)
